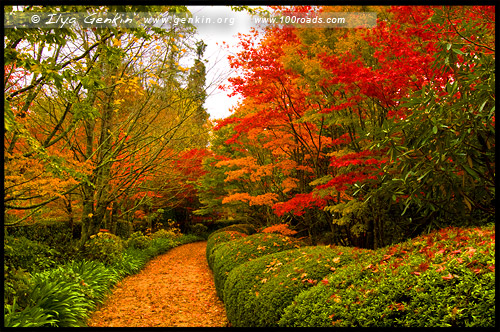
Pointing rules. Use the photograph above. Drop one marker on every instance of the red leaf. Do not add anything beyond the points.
(448, 277)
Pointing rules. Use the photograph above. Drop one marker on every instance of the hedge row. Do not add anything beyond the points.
(217, 238)
(248, 229)
(225, 234)
(229, 255)
(445, 278)
(257, 292)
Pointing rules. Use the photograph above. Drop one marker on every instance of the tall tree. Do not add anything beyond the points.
(336, 106)
(117, 113)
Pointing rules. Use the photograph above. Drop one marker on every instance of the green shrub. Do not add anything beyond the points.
(62, 297)
(160, 246)
(442, 279)
(56, 235)
(248, 229)
(29, 255)
(132, 261)
(17, 283)
(104, 247)
(166, 234)
(229, 255)
(257, 292)
(138, 240)
(188, 238)
(217, 238)
(221, 223)
(61, 294)
(198, 229)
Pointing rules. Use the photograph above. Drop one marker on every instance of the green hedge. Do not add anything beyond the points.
(217, 238)
(57, 235)
(442, 279)
(218, 224)
(229, 255)
(257, 292)
(248, 229)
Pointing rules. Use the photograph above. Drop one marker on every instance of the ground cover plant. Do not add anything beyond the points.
(230, 254)
(257, 292)
(445, 278)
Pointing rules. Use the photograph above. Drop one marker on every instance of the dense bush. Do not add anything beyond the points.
(54, 234)
(229, 255)
(29, 255)
(97, 278)
(257, 292)
(161, 245)
(189, 238)
(17, 283)
(29, 317)
(132, 261)
(138, 240)
(104, 247)
(248, 229)
(445, 278)
(222, 223)
(217, 238)
(198, 229)
(224, 234)
(166, 234)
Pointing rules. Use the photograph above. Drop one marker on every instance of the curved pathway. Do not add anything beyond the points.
(175, 289)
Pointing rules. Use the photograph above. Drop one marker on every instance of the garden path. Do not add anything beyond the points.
(175, 289)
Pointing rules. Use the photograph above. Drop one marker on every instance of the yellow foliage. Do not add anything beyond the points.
(289, 184)
(266, 199)
(234, 175)
(279, 228)
(265, 170)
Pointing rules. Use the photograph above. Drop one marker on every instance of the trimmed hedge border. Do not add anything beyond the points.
(225, 234)
(248, 229)
(442, 279)
(218, 238)
(229, 255)
(257, 292)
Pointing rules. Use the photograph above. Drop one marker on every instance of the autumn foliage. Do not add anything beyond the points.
(396, 122)
(116, 132)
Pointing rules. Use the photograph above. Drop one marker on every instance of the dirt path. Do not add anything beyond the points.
(175, 289)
